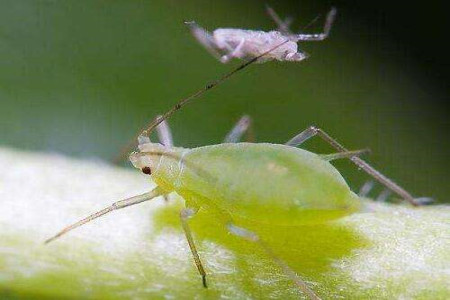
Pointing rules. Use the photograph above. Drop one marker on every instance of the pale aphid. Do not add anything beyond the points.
(228, 43)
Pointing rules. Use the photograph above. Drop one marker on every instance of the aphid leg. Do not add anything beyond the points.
(244, 125)
(185, 215)
(204, 38)
(164, 133)
(383, 196)
(313, 131)
(115, 206)
(252, 237)
(347, 154)
(331, 16)
(165, 137)
(424, 200)
(236, 52)
(366, 188)
(283, 26)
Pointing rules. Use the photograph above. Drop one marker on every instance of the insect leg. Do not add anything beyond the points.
(234, 53)
(283, 26)
(318, 36)
(185, 215)
(340, 155)
(244, 125)
(164, 133)
(115, 206)
(204, 38)
(383, 196)
(164, 136)
(313, 131)
(366, 188)
(252, 237)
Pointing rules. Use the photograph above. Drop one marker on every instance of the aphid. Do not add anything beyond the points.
(271, 183)
(228, 43)
(237, 180)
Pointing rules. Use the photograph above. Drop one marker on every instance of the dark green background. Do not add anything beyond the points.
(81, 77)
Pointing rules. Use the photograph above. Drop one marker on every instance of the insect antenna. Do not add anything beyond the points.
(115, 206)
(156, 192)
(184, 101)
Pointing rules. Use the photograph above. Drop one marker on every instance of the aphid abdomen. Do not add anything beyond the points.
(256, 43)
(269, 183)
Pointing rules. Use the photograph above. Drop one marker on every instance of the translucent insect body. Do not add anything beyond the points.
(228, 43)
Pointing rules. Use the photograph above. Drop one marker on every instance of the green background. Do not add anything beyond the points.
(81, 77)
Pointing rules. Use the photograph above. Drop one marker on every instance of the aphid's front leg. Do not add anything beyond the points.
(244, 125)
(185, 215)
(165, 137)
(318, 36)
(204, 38)
(252, 237)
(164, 133)
(313, 131)
(236, 52)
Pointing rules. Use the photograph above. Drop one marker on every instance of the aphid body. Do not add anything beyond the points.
(228, 43)
(266, 183)
(255, 43)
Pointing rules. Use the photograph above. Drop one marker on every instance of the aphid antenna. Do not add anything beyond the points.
(136, 199)
(208, 87)
(147, 131)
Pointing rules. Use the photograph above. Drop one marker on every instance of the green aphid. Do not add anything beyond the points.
(263, 183)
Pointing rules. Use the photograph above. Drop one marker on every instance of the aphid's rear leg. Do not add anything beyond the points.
(318, 36)
(313, 131)
(185, 215)
(341, 155)
(252, 237)
(204, 38)
(244, 125)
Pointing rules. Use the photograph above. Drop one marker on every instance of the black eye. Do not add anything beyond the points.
(146, 170)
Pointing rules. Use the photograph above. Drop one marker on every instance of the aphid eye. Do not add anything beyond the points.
(146, 170)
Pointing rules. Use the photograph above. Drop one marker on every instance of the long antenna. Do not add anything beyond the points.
(184, 101)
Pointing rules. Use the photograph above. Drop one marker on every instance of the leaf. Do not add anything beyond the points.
(140, 253)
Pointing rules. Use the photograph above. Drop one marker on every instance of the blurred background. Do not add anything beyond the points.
(82, 77)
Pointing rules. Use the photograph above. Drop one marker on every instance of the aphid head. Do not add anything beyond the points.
(161, 162)
(149, 156)
(295, 56)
